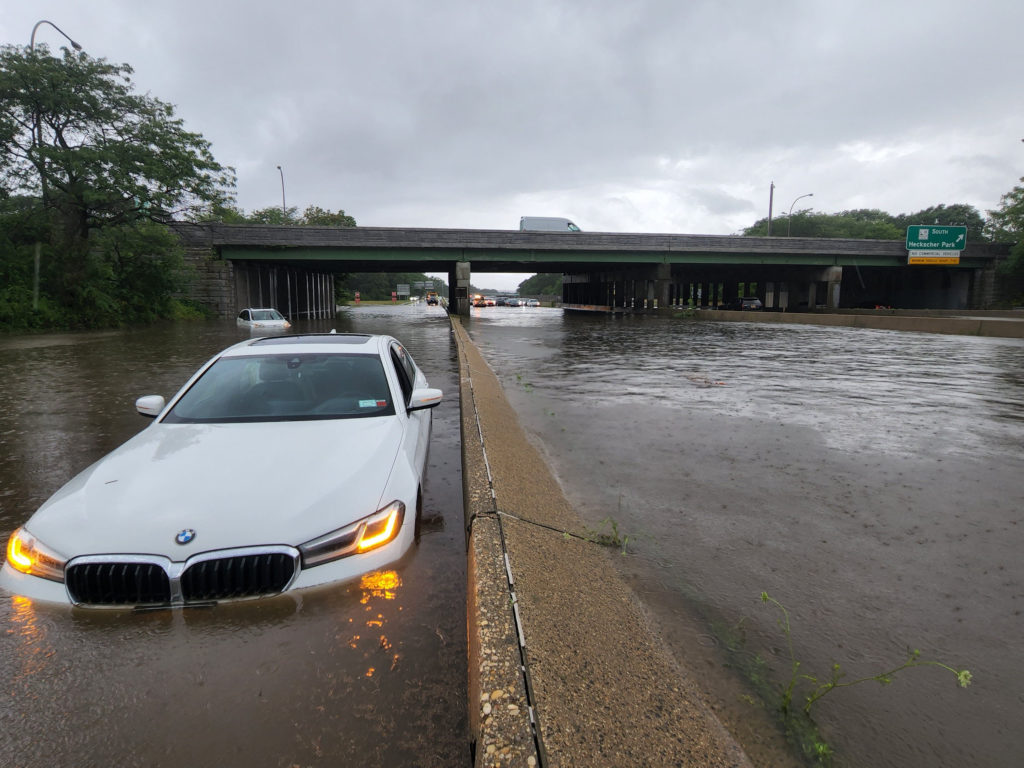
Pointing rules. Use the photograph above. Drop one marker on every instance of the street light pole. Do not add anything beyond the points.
(771, 198)
(284, 209)
(37, 141)
(32, 41)
(789, 219)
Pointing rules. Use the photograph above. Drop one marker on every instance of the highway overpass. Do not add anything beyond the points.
(607, 270)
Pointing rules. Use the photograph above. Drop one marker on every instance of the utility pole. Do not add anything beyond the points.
(771, 198)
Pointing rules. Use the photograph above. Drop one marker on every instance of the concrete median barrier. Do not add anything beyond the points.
(564, 668)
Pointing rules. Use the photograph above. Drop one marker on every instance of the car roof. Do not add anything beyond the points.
(329, 343)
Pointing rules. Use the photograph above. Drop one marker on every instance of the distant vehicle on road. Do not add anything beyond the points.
(432, 298)
(489, 301)
(479, 301)
(546, 224)
(262, 318)
(514, 301)
(533, 302)
(744, 303)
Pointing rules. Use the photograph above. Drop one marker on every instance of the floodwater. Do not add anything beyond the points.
(870, 481)
(371, 672)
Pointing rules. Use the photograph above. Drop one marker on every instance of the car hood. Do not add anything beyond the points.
(234, 484)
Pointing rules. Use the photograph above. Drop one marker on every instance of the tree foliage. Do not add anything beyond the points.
(87, 168)
(94, 152)
(313, 216)
(951, 215)
(544, 284)
(870, 223)
(1006, 224)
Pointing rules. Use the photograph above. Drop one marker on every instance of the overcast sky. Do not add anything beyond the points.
(639, 116)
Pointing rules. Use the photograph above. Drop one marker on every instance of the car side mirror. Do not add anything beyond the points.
(426, 397)
(150, 405)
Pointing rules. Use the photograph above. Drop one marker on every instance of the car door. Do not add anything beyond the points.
(419, 422)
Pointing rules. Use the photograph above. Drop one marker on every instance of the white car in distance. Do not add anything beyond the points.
(262, 318)
(283, 463)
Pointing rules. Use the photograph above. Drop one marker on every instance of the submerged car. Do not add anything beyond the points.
(283, 463)
(262, 318)
(745, 303)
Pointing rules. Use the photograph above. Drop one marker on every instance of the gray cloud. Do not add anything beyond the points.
(654, 115)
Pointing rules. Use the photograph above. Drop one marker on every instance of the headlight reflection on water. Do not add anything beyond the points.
(33, 650)
(383, 584)
(380, 585)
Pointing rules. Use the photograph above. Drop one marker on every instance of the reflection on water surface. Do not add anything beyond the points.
(870, 480)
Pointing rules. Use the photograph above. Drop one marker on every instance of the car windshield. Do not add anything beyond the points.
(286, 388)
(266, 314)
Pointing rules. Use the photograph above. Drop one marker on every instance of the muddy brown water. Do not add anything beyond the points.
(372, 672)
(871, 481)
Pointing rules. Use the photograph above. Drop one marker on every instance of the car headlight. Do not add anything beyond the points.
(27, 554)
(361, 536)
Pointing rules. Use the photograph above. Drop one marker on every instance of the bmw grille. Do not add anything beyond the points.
(143, 580)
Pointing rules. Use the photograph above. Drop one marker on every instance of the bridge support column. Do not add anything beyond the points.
(833, 277)
(812, 296)
(460, 303)
(663, 288)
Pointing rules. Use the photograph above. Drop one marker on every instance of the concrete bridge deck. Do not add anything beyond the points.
(599, 268)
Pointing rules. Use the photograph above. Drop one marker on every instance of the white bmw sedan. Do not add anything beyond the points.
(282, 463)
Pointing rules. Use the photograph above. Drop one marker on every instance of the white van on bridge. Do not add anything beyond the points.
(546, 224)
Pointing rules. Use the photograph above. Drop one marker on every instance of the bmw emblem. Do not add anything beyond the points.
(185, 536)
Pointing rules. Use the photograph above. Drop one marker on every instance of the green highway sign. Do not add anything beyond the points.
(936, 237)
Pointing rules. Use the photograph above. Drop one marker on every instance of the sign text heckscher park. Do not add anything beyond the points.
(935, 244)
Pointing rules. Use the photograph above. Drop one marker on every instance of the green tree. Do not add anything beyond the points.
(93, 156)
(1006, 224)
(544, 284)
(314, 216)
(102, 154)
(865, 223)
(870, 223)
(959, 214)
(273, 216)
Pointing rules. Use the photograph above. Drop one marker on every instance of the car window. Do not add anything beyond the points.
(286, 388)
(405, 368)
(243, 315)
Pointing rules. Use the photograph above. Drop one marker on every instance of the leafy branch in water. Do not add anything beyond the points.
(821, 687)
